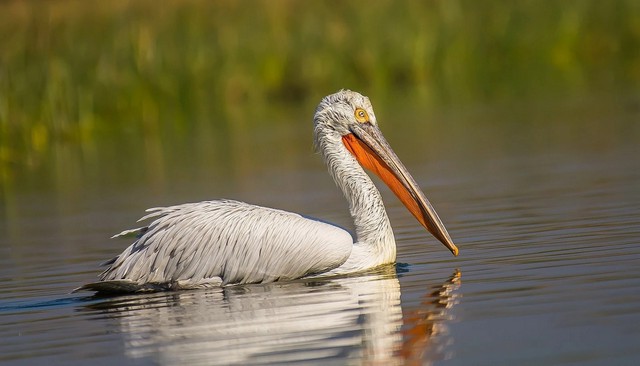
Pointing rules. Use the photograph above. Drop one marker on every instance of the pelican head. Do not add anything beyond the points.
(347, 120)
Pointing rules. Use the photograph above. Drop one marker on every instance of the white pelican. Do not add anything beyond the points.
(224, 242)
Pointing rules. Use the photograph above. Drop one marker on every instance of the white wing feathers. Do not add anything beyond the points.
(226, 241)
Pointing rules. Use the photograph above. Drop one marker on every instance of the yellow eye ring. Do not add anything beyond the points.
(361, 115)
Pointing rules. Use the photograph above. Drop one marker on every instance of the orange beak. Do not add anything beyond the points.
(372, 151)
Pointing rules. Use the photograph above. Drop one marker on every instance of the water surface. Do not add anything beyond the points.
(545, 212)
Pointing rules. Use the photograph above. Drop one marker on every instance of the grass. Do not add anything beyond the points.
(76, 73)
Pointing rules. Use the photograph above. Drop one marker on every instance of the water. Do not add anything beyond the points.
(544, 206)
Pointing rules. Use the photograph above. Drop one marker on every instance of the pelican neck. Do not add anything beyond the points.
(374, 234)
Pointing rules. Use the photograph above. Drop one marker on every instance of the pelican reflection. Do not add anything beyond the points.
(322, 321)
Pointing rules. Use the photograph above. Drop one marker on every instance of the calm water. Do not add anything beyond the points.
(544, 205)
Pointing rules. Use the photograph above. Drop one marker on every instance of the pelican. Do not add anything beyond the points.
(225, 242)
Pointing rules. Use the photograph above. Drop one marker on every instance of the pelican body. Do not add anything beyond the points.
(225, 242)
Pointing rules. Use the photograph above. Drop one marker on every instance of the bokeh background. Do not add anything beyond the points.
(95, 93)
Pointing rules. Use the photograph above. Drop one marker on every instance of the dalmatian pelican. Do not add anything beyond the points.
(225, 242)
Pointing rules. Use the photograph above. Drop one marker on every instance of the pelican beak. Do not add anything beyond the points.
(372, 151)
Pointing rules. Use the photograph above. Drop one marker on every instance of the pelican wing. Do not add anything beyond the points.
(227, 242)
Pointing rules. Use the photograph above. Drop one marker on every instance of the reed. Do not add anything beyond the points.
(73, 73)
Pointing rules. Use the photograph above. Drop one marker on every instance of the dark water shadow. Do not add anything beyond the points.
(31, 305)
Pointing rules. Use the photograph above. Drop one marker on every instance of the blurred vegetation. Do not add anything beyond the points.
(74, 74)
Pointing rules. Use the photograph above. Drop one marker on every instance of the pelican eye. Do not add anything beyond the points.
(361, 115)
